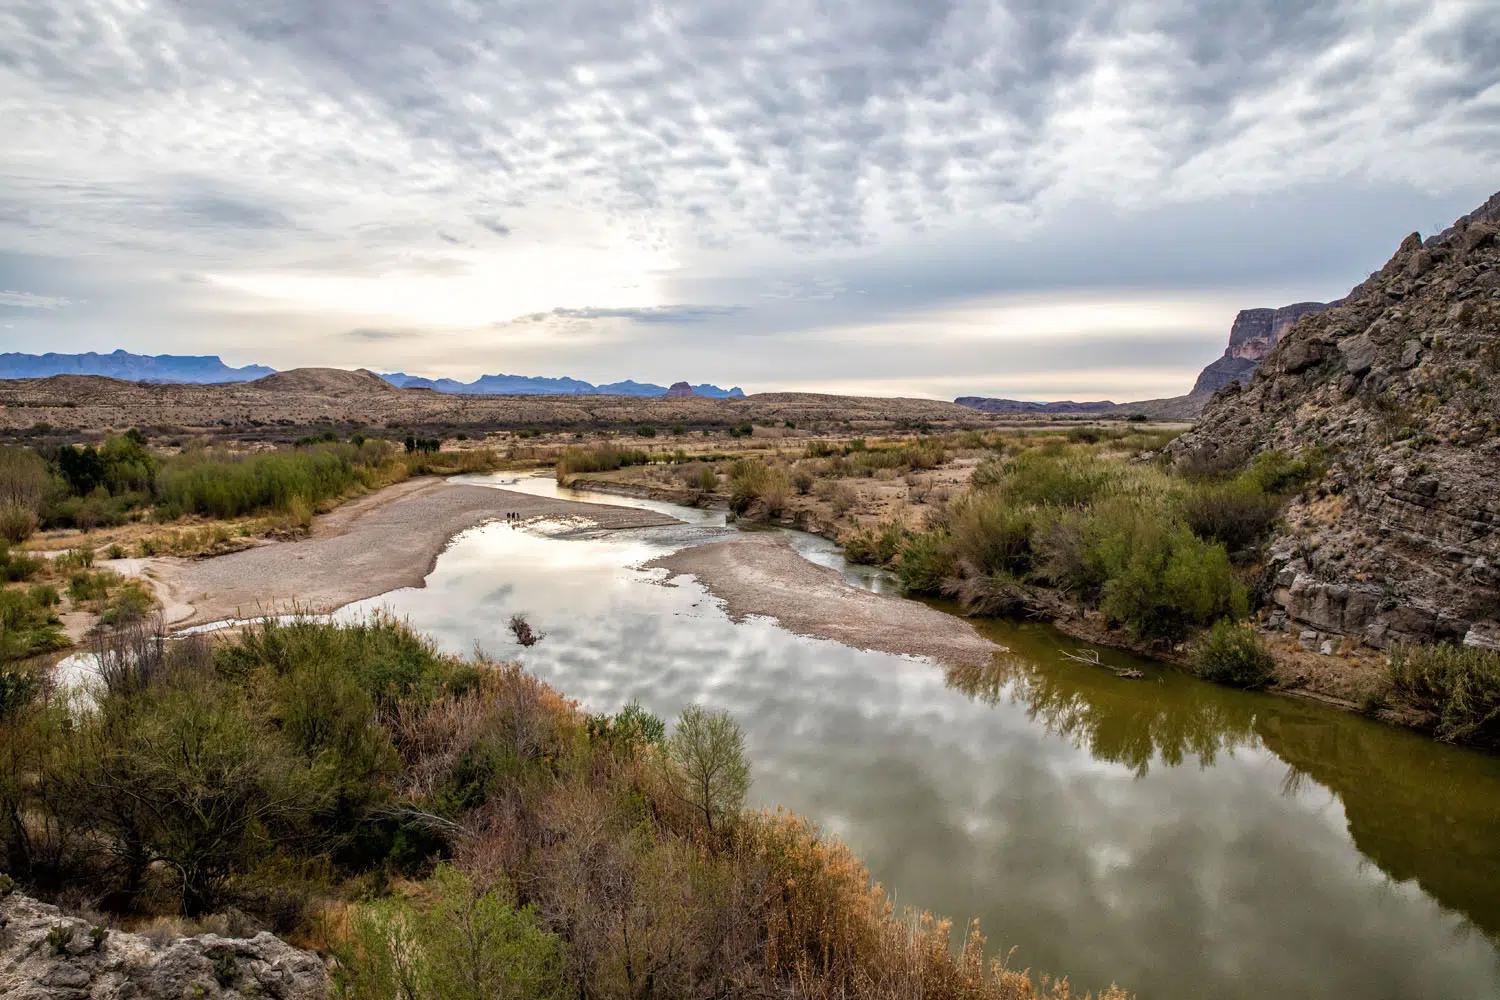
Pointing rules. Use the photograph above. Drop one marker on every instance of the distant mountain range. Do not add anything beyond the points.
(524, 385)
(208, 369)
(199, 368)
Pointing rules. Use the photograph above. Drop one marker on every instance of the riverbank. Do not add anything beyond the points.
(378, 543)
(760, 574)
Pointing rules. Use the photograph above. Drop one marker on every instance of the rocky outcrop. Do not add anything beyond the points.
(1254, 333)
(679, 390)
(45, 955)
(1398, 388)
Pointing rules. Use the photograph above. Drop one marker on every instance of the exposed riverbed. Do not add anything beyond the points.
(1185, 839)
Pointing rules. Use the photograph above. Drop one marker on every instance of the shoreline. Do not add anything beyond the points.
(385, 541)
(762, 575)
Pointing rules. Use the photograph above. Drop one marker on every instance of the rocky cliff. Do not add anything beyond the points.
(45, 955)
(1254, 333)
(1398, 388)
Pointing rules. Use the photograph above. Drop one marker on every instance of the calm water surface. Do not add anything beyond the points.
(1184, 839)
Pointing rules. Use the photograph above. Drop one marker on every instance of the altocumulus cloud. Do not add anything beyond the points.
(439, 166)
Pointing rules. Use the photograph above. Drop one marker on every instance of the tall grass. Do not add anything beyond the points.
(220, 484)
(1458, 685)
(605, 458)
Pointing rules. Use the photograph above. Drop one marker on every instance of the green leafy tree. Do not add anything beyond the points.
(708, 749)
(468, 943)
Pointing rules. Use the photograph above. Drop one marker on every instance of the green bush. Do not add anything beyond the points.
(1459, 685)
(468, 942)
(28, 625)
(645, 431)
(1170, 580)
(1234, 654)
(925, 562)
(877, 547)
(17, 566)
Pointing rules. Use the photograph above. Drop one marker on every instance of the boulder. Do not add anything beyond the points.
(48, 955)
(1359, 353)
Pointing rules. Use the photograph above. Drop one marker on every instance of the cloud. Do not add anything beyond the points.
(644, 314)
(27, 300)
(371, 334)
(831, 163)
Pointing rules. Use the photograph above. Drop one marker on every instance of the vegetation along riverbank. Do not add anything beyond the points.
(435, 827)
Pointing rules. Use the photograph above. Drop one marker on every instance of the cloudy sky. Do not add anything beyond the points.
(1033, 198)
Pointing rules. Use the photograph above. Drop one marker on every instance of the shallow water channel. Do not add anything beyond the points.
(1183, 839)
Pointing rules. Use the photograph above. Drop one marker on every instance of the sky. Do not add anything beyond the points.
(1039, 199)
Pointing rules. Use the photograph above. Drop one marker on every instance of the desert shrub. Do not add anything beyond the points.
(992, 534)
(802, 481)
(1170, 580)
(1234, 654)
(645, 431)
(875, 547)
(464, 941)
(1039, 477)
(925, 562)
(707, 750)
(85, 585)
(632, 727)
(131, 602)
(756, 488)
(1237, 513)
(17, 566)
(17, 523)
(28, 625)
(1459, 685)
(840, 496)
(1277, 472)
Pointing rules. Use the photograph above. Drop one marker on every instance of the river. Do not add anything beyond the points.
(1183, 839)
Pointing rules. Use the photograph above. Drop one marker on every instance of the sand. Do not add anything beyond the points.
(381, 542)
(762, 575)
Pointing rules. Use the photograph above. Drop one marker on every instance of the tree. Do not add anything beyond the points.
(711, 773)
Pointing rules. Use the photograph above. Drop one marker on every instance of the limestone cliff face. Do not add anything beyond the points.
(1399, 388)
(45, 955)
(1254, 333)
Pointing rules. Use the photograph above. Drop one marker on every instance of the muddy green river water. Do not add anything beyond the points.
(1182, 839)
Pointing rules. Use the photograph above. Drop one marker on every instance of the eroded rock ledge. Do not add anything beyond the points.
(46, 955)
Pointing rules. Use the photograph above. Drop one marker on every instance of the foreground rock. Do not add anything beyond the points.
(1399, 389)
(45, 955)
(762, 575)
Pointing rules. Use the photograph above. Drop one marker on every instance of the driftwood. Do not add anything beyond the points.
(525, 634)
(1091, 657)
